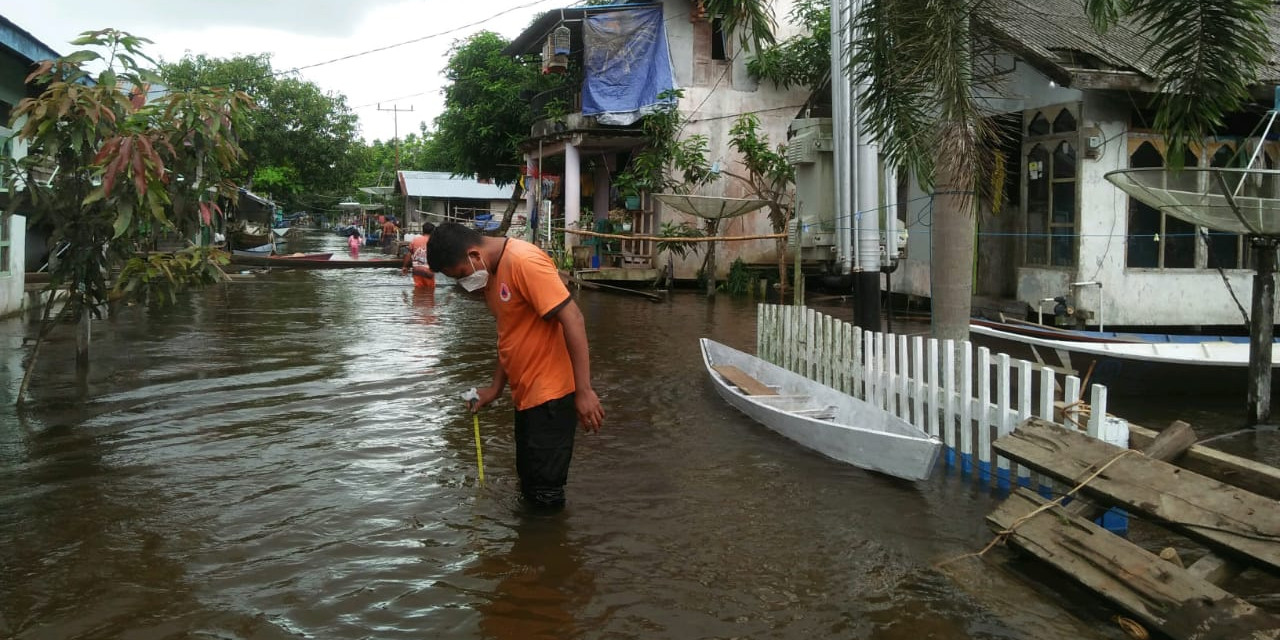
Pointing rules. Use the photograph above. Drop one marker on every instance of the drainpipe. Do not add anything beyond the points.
(840, 133)
(867, 194)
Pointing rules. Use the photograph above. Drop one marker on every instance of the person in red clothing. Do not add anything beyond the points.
(423, 278)
(542, 350)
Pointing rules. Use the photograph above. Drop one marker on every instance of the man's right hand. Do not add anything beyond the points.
(487, 395)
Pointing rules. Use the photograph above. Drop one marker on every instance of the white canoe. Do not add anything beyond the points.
(826, 420)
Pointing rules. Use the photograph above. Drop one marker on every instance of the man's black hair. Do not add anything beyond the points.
(428, 228)
(449, 245)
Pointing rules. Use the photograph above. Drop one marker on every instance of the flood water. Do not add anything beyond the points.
(288, 457)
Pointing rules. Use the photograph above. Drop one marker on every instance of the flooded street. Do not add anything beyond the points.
(288, 457)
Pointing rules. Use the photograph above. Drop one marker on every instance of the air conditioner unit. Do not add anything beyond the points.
(809, 151)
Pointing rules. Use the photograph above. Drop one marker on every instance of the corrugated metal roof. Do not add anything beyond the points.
(440, 184)
(1059, 33)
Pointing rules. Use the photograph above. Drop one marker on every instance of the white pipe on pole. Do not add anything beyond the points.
(841, 136)
(891, 226)
(866, 172)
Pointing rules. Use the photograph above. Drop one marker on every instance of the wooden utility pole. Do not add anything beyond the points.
(396, 111)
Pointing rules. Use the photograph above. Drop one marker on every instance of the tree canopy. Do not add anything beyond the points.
(804, 59)
(302, 141)
(111, 164)
(484, 114)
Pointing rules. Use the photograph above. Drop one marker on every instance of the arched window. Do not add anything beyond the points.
(1065, 122)
(1224, 249)
(1037, 205)
(1039, 126)
(1156, 240)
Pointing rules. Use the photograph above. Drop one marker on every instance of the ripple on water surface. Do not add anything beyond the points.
(288, 457)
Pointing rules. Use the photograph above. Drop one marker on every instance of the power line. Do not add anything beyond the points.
(359, 54)
(415, 40)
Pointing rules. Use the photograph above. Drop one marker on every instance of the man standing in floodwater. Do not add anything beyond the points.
(542, 350)
(416, 258)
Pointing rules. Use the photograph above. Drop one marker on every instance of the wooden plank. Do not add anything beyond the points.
(1248, 475)
(742, 380)
(1210, 511)
(1171, 444)
(1160, 594)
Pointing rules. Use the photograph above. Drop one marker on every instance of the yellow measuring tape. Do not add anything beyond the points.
(475, 422)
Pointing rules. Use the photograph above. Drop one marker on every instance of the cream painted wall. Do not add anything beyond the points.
(713, 108)
(12, 280)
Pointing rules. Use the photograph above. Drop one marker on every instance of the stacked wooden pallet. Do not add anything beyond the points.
(1225, 503)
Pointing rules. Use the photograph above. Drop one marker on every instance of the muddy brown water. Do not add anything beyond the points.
(287, 457)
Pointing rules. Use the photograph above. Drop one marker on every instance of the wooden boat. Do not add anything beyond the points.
(312, 261)
(1127, 363)
(826, 420)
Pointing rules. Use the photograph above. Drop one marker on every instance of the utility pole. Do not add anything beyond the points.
(396, 111)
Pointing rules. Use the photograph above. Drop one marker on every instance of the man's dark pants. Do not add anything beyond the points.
(544, 447)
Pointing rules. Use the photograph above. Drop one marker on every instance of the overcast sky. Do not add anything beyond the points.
(299, 33)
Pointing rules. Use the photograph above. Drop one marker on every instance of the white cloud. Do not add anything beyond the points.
(303, 32)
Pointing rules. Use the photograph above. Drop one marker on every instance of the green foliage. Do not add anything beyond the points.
(1211, 53)
(918, 68)
(752, 20)
(769, 175)
(277, 180)
(740, 279)
(111, 164)
(159, 277)
(484, 117)
(667, 162)
(679, 230)
(309, 135)
(803, 60)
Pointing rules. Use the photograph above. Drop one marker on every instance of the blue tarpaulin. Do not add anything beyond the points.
(627, 65)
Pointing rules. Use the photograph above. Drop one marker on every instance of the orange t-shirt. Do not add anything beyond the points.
(531, 348)
(418, 251)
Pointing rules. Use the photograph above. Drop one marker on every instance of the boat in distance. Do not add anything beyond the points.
(819, 417)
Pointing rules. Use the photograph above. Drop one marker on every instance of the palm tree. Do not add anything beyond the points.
(916, 60)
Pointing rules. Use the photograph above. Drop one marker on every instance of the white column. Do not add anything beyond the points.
(572, 193)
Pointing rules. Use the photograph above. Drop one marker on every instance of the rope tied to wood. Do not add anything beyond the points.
(1004, 534)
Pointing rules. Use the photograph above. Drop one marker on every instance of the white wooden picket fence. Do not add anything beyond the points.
(916, 379)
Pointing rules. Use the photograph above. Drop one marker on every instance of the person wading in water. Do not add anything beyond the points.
(542, 350)
(423, 278)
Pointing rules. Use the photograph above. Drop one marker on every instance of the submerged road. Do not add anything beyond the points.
(287, 457)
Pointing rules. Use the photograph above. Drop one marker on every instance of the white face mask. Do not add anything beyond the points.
(478, 278)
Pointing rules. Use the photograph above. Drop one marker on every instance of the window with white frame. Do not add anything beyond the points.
(1051, 205)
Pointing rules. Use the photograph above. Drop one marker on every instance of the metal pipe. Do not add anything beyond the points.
(1094, 283)
(1040, 309)
(840, 133)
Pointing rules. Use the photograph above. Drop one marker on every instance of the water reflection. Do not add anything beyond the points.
(541, 584)
(288, 456)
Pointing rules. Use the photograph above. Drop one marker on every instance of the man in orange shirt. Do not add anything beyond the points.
(423, 278)
(542, 350)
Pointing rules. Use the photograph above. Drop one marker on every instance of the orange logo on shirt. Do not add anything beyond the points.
(504, 293)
